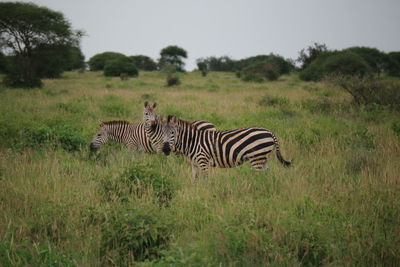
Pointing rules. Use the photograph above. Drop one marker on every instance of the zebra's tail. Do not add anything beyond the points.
(285, 163)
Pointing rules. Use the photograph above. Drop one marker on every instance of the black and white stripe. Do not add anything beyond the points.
(153, 125)
(222, 149)
(131, 135)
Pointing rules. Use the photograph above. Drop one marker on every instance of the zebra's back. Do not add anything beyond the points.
(231, 148)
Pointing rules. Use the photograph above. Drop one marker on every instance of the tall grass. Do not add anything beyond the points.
(338, 205)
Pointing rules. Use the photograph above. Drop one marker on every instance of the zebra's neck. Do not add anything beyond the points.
(154, 133)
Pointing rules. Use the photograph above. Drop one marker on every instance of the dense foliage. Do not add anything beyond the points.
(32, 36)
(173, 55)
(118, 66)
(98, 61)
(144, 62)
(334, 63)
(223, 63)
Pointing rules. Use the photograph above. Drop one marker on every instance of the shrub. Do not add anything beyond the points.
(281, 65)
(260, 71)
(335, 63)
(66, 136)
(307, 57)
(137, 181)
(374, 58)
(143, 62)
(116, 67)
(223, 63)
(98, 61)
(393, 64)
(346, 63)
(134, 233)
(273, 101)
(370, 90)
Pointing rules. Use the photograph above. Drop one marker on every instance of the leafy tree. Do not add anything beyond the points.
(335, 63)
(173, 55)
(98, 61)
(24, 29)
(144, 62)
(202, 66)
(76, 59)
(393, 64)
(223, 63)
(306, 56)
(120, 66)
(375, 58)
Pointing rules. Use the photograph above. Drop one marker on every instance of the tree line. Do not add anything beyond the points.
(36, 43)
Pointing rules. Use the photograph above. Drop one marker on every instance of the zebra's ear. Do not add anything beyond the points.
(154, 105)
(146, 103)
(101, 123)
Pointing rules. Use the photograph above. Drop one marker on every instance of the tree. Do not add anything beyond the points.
(120, 66)
(98, 61)
(173, 55)
(375, 58)
(24, 29)
(307, 56)
(144, 63)
(393, 64)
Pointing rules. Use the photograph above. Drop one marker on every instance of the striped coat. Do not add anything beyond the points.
(222, 149)
(133, 136)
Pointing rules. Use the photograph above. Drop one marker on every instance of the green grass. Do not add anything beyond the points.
(60, 206)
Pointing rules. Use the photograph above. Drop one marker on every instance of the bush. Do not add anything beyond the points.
(307, 57)
(370, 90)
(66, 136)
(374, 58)
(138, 181)
(346, 63)
(335, 63)
(143, 63)
(260, 71)
(116, 67)
(273, 101)
(134, 233)
(173, 79)
(393, 64)
(98, 61)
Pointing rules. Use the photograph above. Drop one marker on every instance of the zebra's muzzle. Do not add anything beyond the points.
(93, 147)
(166, 149)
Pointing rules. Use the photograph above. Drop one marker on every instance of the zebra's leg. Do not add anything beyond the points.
(195, 171)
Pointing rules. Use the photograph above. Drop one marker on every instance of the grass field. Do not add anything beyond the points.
(339, 204)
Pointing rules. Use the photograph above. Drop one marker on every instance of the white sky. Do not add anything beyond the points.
(236, 28)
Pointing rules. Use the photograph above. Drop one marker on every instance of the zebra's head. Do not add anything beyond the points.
(169, 133)
(149, 117)
(100, 138)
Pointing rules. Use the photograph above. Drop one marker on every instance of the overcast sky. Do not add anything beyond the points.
(236, 28)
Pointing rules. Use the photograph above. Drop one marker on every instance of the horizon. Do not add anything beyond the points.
(237, 29)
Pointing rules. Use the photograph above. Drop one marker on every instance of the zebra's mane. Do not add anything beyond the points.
(179, 121)
(116, 122)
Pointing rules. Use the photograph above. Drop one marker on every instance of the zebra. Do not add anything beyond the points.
(133, 136)
(224, 149)
(152, 125)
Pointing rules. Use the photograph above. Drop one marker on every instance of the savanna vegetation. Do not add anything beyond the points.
(60, 206)
(336, 116)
